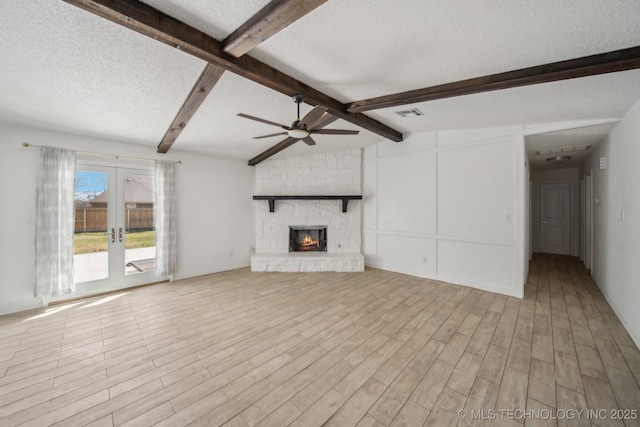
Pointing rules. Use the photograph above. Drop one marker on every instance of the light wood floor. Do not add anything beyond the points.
(276, 349)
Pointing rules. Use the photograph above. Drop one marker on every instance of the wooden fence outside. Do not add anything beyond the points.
(90, 220)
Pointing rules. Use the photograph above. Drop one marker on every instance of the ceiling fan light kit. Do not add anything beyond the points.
(298, 133)
(559, 159)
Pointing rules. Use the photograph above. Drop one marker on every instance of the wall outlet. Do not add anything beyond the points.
(425, 260)
(507, 217)
(230, 254)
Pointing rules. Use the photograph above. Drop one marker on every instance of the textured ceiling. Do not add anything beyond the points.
(359, 49)
(65, 69)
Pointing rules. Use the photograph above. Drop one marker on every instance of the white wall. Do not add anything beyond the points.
(448, 205)
(215, 213)
(571, 175)
(616, 220)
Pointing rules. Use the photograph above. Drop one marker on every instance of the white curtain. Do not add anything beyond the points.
(165, 218)
(55, 222)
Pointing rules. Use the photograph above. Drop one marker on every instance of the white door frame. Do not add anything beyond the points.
(588, 223)
(116, 243)
(583, 244)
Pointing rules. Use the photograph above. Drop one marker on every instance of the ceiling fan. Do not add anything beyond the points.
(302, 128)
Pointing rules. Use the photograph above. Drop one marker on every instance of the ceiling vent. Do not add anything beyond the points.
(560, 150)
(414, 112)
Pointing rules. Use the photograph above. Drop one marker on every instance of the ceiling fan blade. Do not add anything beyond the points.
(312, 117)
(308, 140)
(258, 119)
(324, 121)
(334, 131)
(270, 135)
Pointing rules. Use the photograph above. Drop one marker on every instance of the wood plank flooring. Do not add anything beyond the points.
(337, 349)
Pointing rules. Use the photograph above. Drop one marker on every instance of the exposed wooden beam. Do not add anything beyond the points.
(146, 20)
(285, 143)
(609, 62)
(274, 17)
(325, 120)
(207, 80)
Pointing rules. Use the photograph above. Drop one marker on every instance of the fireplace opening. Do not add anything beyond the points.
(308, 238)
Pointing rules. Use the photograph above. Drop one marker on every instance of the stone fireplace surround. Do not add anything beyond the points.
(333, 173)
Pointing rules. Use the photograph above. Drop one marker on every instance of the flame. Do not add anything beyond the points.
(308, 243)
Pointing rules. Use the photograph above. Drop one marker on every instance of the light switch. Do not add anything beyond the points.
(603, 162)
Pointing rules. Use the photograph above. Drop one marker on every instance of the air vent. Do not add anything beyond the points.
(414, 112)
(560, 150)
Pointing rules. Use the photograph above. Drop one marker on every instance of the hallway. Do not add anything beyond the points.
(578, 339)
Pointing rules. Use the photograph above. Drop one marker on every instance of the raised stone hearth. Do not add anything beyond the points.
(330, 174)
(308, 262)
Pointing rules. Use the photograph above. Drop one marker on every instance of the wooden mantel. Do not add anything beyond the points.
(272, 199)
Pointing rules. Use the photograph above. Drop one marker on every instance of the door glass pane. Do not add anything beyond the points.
(90, 240)
(139, 235)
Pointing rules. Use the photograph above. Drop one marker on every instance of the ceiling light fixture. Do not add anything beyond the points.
(559, 159)
(298, 133)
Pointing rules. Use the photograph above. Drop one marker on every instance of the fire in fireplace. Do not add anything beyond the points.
(308, 238)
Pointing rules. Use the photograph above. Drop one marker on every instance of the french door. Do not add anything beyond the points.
(114, 239)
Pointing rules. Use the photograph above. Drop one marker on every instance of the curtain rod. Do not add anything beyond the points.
(117, 156)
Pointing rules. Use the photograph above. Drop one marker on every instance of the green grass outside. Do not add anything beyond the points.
(84, 243)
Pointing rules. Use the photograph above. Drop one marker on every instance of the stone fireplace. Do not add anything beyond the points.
(323, 174)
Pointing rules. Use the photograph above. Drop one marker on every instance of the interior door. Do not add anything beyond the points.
(114, 239)
(555, 218)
